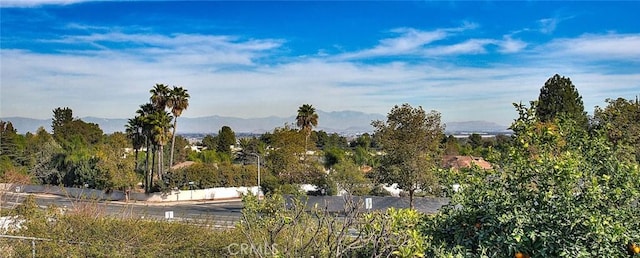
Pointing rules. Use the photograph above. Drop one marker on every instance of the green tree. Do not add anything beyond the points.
(320, 137)
(554, 196)
(475, 140)
(66, 129)
(559, 97)
(77, 165)
(284, 160)
(11, 148)
(115, 167)
(362, 157)
(365, 141)
(225, 139)
(250, 147)
(61, 118)
(44, 150)
(178, 102)
(306, 119)
(182, 149)
(348, 176)
(333, 156)
(619, 121)
(410, 140)
(210, 142)
(451, 145)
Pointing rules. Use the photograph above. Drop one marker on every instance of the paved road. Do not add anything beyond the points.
(223, 214)
(219, 214)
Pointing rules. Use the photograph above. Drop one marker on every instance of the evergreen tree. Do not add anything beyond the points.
(559, 98)
(226, 138)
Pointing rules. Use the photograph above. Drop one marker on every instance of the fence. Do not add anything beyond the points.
(33, 241)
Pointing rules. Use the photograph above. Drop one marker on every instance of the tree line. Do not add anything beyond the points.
(563, 185)
(406, 149)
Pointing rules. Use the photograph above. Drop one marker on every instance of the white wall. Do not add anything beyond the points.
(218, 193)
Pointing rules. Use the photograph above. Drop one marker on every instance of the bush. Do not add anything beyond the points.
(85, 232)
(557, 195)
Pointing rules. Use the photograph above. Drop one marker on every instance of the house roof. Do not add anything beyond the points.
(457, 162)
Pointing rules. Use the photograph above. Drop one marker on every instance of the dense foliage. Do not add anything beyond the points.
(561, 192)
(85, 231)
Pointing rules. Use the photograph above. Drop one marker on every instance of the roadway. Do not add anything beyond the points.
(223, 214)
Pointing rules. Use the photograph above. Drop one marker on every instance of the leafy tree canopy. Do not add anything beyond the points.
(410, 140)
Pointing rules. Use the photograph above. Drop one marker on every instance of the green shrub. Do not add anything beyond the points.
(557, 195)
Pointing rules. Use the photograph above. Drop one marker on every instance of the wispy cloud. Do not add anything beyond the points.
(619, 47)
(183, 48)
(549, 25)
(472, 46)
(114, 69)
(37, 3)
(410, 41)
(509, 45)
(435, 43)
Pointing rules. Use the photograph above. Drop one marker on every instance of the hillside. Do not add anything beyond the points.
(344, 122)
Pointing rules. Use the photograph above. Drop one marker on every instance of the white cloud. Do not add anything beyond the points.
(193, 49)
(36, 3)
(414, 42)
(472, 46)
(509, 45)
(548, 25)
(225, 75)
(409, 42)
(598, 47)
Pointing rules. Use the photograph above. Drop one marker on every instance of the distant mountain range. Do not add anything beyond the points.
(343, 122)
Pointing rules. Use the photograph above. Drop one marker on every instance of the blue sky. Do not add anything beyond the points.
(469, 60)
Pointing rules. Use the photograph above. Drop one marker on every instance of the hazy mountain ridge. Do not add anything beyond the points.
(475, 127)
(346, 122)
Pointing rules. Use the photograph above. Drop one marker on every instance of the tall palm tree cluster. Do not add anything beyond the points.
(153, 126)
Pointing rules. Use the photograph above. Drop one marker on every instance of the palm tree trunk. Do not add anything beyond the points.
(147, 183)
(160, 154)
(306, 140)
(136, 155)
(173, 141)
(411, 192)
(153, 166)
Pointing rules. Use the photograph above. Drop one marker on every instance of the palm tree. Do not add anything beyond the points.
(143, 113)
(178, 102)
(159, 96)
(160, 122)
(307, 119)
(134, 133)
